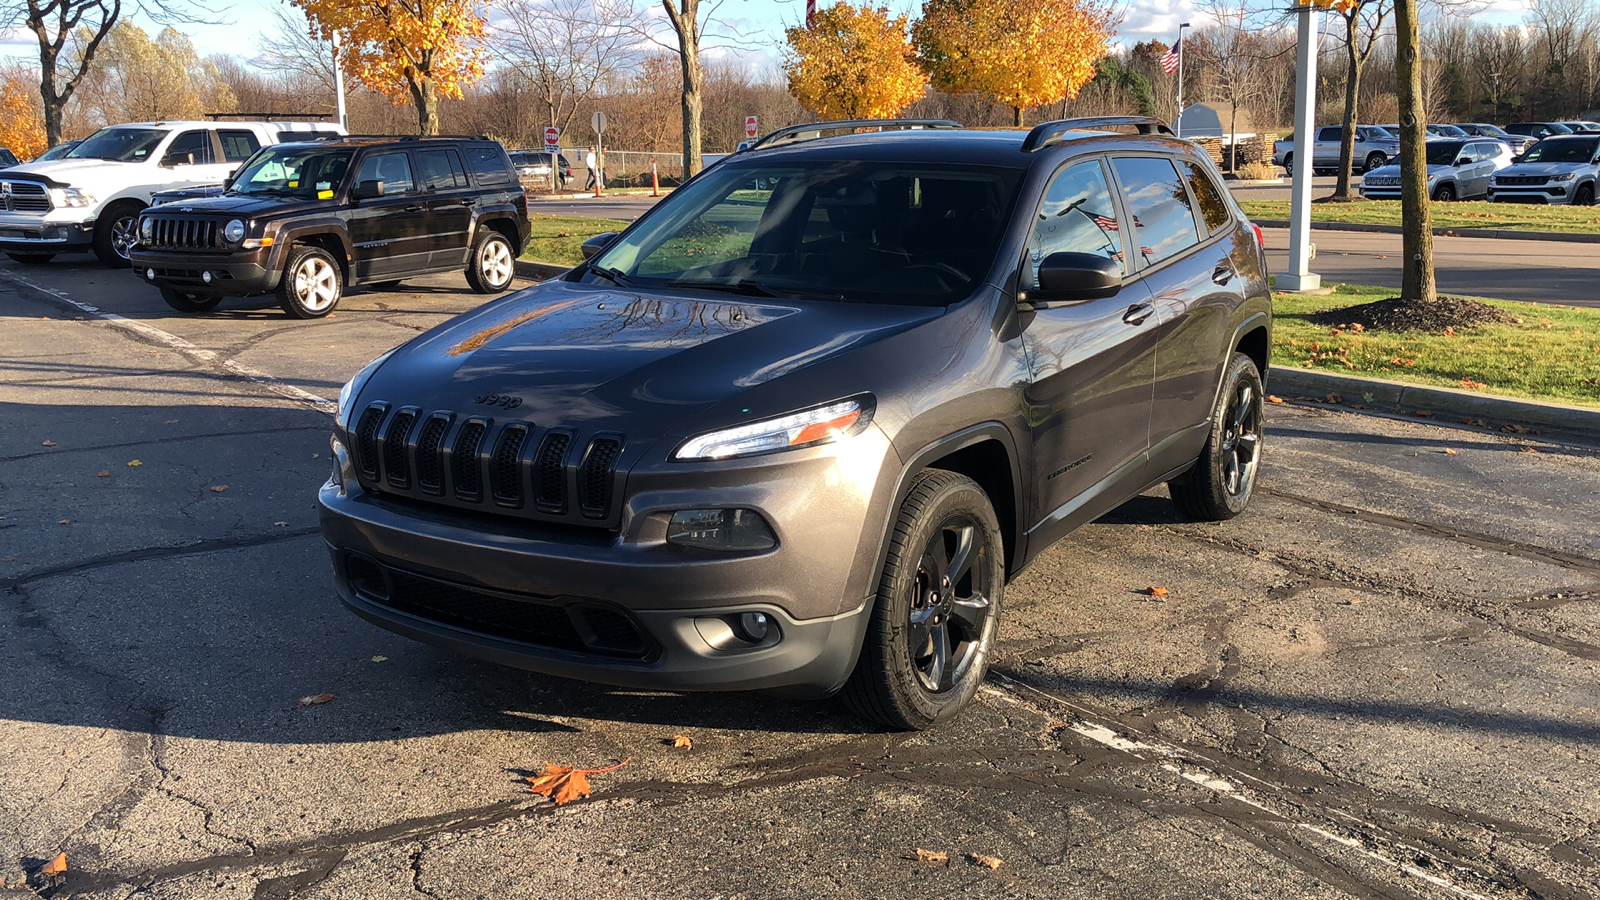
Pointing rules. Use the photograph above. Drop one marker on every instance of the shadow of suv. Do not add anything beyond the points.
(797, 426)
(306, 220)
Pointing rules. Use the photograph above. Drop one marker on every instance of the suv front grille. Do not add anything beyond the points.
(546, 474)
(170, 232)
(573, 624)
(1520, 180)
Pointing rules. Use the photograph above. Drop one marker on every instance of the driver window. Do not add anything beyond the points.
(393, 169)
(196, 145)
(1077, 215)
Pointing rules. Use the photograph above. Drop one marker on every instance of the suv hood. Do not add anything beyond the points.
(89, 174)
(1552, 168)
(239, 205)
(638, 363)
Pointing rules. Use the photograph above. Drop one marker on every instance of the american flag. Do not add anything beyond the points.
(1169, 63)
(811, 11)
(1105, 222)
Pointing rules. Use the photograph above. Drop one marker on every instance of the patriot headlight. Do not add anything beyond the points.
(818, 425)
(233, 232)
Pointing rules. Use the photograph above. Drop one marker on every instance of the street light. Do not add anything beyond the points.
(1178, 123)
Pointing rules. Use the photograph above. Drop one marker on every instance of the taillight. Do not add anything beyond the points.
(1261, 240)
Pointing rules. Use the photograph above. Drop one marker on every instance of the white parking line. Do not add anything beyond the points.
(172, 341)
(1205, 775)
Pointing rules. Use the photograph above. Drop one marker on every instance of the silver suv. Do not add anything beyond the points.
(1557, 170)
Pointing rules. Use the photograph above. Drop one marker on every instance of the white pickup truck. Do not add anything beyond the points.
(90, 199)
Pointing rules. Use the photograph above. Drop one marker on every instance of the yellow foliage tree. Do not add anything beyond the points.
(419, 50)
(853, 64)
(1020, 52)
(21, 120)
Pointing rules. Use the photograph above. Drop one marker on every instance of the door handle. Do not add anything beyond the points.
(1137, 313)
(1222, 274)
(413, 208)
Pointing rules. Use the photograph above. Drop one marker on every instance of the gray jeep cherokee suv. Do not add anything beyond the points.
(797, 426)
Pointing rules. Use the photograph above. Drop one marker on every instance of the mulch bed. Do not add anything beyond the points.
(1397, 314)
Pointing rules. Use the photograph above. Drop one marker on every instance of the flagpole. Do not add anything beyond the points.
(1178, 120)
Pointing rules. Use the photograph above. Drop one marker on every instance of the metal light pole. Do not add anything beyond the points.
(1496, 77)
(1178, 119)
(338, 83)
(1300, 277)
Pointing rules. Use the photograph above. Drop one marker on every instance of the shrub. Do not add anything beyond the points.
(1257, 171)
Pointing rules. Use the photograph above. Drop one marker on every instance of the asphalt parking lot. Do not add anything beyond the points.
(1379, 681)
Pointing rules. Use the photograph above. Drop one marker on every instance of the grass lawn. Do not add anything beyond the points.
(1473, 214)
(1552, 353)
(555, 239)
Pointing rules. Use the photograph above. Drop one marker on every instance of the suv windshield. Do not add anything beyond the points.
(922, 234)
(1562, 151)
(1443, 153)
(306, 172)
(119, 144)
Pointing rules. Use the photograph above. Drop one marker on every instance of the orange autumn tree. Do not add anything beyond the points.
(853, 64)
(419, 50)
(21, 121)
(1021, 53)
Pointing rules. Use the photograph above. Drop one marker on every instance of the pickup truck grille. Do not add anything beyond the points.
(182, 233)
(549, 474)
(25, 196)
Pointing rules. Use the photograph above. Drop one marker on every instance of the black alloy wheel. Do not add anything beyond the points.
(1223, 478)
(949, 605)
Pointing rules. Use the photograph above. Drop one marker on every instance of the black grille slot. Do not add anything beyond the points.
(430, 470)
(176, 233)
(550, 472)
(594, 480)
(464, 462)
(396, 467)
(367, 440)
(505, 470)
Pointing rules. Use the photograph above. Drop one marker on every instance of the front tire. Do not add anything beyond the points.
(938, 604)
(1584, 196)
(115, 232)
(1444, 194)
(491, 264)
(312, 283)
(186, 302)
(1374, 160)
(1223, 478)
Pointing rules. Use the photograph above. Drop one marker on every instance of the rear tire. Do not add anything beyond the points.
(115, 232)
(183, 301)
(933, 621)
(1223, 478)
(312, 283)
(492, 263)
(31, 259)
(1374, 160)
(1288, 164)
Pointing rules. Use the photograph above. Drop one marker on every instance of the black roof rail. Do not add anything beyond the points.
(267, 117)
(332, 136)
(794, 132)
(1048, 134)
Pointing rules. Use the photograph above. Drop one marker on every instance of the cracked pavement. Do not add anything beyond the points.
(1379, 681)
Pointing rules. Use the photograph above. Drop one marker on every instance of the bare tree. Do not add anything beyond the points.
(1233, 53)
(692, 21)
(568, 50)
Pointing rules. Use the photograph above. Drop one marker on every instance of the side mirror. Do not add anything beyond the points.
(592, 247)
(1076, 277)
(177, 159)
(1463, 161)
(1360, 139)
(367, 190)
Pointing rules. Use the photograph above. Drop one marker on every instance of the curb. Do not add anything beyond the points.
(1575, 420)
(1496, 233)
(538, 271)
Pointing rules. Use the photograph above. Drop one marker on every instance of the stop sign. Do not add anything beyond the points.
(552, 138)
(750, 127)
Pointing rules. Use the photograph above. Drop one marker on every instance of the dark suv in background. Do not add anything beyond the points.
(307, 220)
(796, 427)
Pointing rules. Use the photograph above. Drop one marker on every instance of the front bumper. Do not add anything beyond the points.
(20, 233)
(1554, 194)
(232, 274)
(1379, 193)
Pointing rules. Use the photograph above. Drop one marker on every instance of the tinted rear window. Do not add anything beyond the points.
(489, 166)
(440, 170)
(1209, 196)
(1162, 219)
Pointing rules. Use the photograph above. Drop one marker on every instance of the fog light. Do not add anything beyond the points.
(753, 626)
(720, 529)
(206, 277)
(150, 274)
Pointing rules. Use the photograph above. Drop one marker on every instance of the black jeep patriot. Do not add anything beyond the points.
(306, 220)
(796, 427)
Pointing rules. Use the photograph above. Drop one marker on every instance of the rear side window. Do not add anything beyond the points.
(489, 166)
(1209, 197)
(1330, 133)
(1163, 222)
(238, 145)
(393, 169)
(440, 170)
(1077, 216)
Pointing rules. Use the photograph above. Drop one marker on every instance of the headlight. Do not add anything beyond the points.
(71, 198)
(234, 231)
(1564, 176)
(347, 394)
(147, 228)
(818, 425)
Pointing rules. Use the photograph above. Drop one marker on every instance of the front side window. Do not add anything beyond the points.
(1443, 153)
(304, 172)
(866, 231)
(1077, 216)
(393, 169)
(1163, 220)
(189, 148)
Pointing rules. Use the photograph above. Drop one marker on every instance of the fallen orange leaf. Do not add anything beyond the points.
(1156, 591)
(49, 444)
(988, 862)
(315, 700)
(64, 522)
(135, 463)
(55, 866)
(103, 473)
(1273, 398)
(564, 785)
(683, 742)
(218, 488)
(1451, 450)
(937, 857)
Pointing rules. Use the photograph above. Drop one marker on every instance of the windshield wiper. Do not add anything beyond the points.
(743, 286)
(611, 275)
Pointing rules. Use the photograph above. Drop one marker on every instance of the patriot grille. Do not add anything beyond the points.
(545, 474)
(573, 624)
(170, 232)
(25, 196)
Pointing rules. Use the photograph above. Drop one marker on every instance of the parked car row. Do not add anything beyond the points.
(1376, 145)
(1560, 169)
